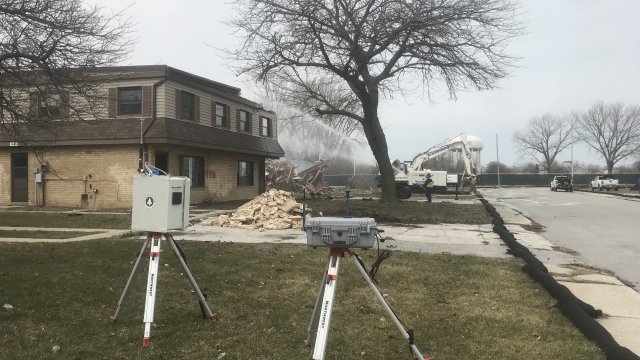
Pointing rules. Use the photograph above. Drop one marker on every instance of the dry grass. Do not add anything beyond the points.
(65, 220)
(43, 234)
(460, 307)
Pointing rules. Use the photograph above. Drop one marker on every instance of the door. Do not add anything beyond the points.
(19, 177)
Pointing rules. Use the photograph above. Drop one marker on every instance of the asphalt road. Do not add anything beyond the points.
(603, 229)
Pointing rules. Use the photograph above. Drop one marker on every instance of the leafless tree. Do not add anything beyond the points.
(545, 137)
(613, 130)
(366, 50)
(46, 46)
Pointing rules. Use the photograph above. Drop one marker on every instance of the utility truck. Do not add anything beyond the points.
(410, 175)
(606, 182)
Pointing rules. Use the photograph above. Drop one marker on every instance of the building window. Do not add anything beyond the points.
(221, 115)
(265, 126)
(244, 122)
(245, 173)
(193, 168)
(187, 106)
(50, 105)
(130, 100)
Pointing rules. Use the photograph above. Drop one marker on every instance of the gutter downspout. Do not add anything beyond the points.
(154, 115)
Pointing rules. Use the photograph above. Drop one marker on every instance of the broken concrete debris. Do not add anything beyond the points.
(297, 176)
(272, 210)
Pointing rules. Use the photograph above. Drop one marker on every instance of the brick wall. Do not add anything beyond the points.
(5, 177)
(221, 168)
(109, 171)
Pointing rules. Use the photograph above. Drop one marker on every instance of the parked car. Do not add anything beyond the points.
(607, 182)
(562, 182)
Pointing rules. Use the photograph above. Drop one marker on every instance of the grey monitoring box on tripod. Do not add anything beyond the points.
(160, 203)
(341, 232)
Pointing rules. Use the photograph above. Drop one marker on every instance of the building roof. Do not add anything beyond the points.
(160, 131)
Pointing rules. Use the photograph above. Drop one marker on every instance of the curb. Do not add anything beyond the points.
(581, 314)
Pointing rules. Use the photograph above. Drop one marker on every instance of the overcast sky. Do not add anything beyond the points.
(574, 52)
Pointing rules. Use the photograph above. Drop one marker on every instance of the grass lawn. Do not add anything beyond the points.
(405, 211)
(460, 307)
(65, 220)
(43, 234)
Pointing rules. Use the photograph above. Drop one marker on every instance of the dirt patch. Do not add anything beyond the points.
(565, 250)
(534, 226)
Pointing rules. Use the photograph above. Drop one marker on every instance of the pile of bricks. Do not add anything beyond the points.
(273, 210)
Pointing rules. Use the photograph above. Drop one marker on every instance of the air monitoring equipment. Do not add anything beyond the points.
(160, 204)
(341, 232)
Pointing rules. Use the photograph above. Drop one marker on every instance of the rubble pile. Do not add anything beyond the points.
(272, 210)
(286, 175)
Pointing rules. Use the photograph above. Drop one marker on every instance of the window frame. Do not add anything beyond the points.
(184, 105)
(247, 121)
(224, 117)
(248, 178)
(197, 180)
(118, 105)
(44, 109)
(269, 126)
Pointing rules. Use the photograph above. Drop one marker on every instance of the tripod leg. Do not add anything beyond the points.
(322, 313)
(312, 330)
(152, 282)
(408, 337)
(192, 281)
(125, 292)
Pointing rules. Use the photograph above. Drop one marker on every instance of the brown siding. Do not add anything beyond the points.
(146, 100)
(113, 102)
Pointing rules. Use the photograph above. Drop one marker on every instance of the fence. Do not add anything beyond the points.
(369, 180)
(545, 179)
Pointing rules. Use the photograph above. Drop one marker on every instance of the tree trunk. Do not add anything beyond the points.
(378, 143)
(609, 167)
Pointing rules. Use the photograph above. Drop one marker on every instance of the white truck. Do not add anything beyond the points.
(606, 182)
(561, 182)
(411, 175)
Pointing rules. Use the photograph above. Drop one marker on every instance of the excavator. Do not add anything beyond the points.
(410, 175)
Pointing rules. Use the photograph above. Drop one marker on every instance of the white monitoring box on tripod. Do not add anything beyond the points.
(160, 203)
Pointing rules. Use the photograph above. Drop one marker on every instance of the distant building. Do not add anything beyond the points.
(182, 123)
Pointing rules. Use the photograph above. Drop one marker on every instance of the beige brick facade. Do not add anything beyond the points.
(103, 174)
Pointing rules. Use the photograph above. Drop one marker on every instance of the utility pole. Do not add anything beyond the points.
(498, 159)
(571, 163)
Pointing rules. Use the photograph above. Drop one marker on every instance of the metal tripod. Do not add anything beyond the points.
(152, 243)
(318, 331)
